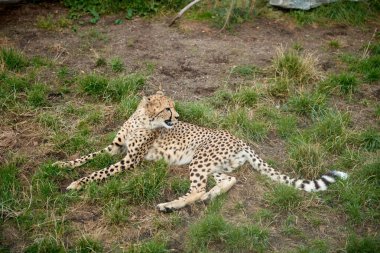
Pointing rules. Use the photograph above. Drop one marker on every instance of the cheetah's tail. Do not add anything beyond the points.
(320, 184)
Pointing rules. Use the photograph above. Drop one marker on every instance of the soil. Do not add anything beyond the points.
(191, 60)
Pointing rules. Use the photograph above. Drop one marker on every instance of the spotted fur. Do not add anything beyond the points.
(153, 133)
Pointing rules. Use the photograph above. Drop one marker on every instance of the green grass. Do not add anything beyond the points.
(286, 126)
(100, 62)
(241, 124)
(345, 83)
(93, 84)
(51, 23)
(114, 89)
(289, 227)
(117, 212)
(37, 95)
(116, 64)
(127, 106)
(10, 188)
(244, 96)
(214, 230)
(334, 44)
(148, 186)
(13, 59)
(307, 104)
(140, 187)
(359, 195)
(180, 186)
(315, 246)
(151, 246)
(294, 67)
(283, 198)
(308, 159)
(370, 139)
(244, 70)
(367, 244)
(342, 12)
(87, 245)
(46, 245)
(196, 112)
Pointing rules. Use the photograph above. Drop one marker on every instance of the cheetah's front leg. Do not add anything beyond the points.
(126, 164)
(117, 146)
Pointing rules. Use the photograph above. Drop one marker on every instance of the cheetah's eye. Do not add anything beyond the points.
(168, 109)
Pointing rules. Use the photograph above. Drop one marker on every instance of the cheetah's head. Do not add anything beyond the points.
(160, 110)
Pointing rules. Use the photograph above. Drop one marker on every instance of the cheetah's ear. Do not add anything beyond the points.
(160, 91)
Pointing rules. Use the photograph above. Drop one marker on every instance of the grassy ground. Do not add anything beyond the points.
(62, 113)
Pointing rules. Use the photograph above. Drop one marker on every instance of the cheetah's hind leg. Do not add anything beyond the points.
(223, 184)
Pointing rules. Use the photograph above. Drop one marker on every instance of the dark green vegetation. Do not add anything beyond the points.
(303, 120)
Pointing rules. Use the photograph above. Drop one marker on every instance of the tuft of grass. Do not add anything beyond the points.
(283, 197)
(100, 62)
(180, 186)
(10, 187)
(246, 96)
(72, 143)
(196, 112)
(359, 195)
(213, 229)
(117, 211)
(244, 70)
(296, 68)
(290, 228)
(370, 140)
(334, 44)
(50, 121)
(151, 246)
(48, 244)
(308, 159)
(115, 89)
(238, 121)
(10, 88)
(52, 23)
(148, 186)
(280, 88)
(342, 12)
(124, 86)
(315, 246)
(331, 129)
(370, 68)
(117, 64)
(127, 106)
(286, 126)
(36, 95)
(13, 59)
(45, 22)
(366, 244)
(93, 84)
(88, 245)
(345, 83)
(307, 104)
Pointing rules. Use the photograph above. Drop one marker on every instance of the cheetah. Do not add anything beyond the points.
(154, 132)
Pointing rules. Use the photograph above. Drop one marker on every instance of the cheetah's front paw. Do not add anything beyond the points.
(76, 185)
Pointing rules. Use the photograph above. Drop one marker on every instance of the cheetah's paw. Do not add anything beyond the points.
(76, 185)
(170, 206)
